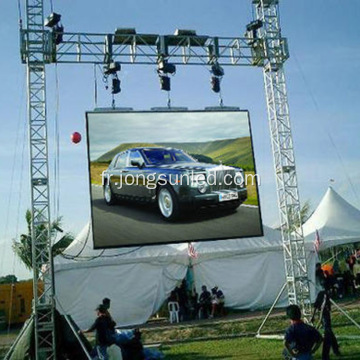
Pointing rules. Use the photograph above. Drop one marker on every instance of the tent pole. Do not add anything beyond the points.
(77, 337)
(74, 330)
(271, 309)
(23, 329)
(345, 313)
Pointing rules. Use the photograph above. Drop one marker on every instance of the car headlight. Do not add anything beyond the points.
(199, 181)
(239, 178)
(202, 187)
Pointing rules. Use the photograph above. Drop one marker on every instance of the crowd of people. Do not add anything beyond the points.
(193, 306)
(301, 340)
(343, 276)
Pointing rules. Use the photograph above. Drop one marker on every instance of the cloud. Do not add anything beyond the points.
(108, 130)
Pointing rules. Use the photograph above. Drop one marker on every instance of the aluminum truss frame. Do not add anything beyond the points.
(147, 49)
(298, 285)
(266, 49)
(43, 279)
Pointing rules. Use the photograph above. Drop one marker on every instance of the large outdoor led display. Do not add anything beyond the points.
(168, 176)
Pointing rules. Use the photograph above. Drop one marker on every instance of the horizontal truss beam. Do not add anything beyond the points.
(147, 49)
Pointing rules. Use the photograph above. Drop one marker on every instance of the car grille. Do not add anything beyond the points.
(216, 179)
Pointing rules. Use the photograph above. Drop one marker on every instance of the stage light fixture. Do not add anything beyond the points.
(115, 88)
(254, 25)
(217, 70)
(165, 67)
(164, 83)
(112, 68)
(215, 84)
(52, 20)
(184, 32)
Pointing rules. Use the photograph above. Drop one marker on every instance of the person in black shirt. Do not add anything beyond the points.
(323, 306)
(205, 302)
(103, 326)
(301, 340)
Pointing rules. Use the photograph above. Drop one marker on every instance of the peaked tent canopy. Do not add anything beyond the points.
(336, 220)
(250, 272)
(136, 279)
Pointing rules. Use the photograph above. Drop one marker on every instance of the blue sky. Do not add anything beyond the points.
(106, 131)
(323, 86)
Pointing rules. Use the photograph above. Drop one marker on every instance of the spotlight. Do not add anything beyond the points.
(215, 84)
(217, 70)
(184, 32)
(52, 20)
(164, 83)
(112, 68)
(166, 68)
(115, 88)
(254, 25)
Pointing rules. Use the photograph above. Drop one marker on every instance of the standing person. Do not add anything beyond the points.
(183, 301)
(301, 340)
(323, 306)
(204, 303)
(356, 272)
(104, 335)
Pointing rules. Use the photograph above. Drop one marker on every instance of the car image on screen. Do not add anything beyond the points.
(172, 179)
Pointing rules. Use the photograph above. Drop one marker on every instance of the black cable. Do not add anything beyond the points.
(19, 14)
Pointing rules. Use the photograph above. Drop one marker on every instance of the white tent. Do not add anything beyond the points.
(336, 220)
(138, 280)
(249, 271)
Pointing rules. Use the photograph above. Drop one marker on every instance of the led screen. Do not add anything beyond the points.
(168, 176)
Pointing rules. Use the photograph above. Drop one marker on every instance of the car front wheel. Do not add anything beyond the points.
(109, 196)
(168, 203)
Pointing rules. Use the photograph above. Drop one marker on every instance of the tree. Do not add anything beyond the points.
(8, 279)
(305, 213)
(23, 246)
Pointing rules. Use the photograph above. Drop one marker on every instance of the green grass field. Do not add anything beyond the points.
(247, 347)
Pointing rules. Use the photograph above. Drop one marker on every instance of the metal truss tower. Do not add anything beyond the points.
(43, 279)
(262, 46)
(283, 152)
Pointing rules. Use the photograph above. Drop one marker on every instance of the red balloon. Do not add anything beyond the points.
(75, 137)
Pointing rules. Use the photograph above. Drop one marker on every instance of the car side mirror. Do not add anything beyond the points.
(137, 163)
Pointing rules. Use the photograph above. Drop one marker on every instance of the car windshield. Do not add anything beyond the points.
(166, 156)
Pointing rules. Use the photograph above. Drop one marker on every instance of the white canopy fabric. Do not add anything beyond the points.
(137, 280)
(249, 271)
(336, 220)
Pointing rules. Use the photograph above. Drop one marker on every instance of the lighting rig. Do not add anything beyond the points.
(262, 46)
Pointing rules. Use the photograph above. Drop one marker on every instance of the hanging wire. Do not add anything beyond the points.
(51, 6)
(14, 163)
(95, 87)
(168, 100)
(113, 104)
(19, 14)
(56, 147)
(325, 128)
(221, 102)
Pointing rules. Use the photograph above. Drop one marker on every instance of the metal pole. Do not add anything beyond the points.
(269, 39)
(36, 49)
(271, 309)
(345, 313)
